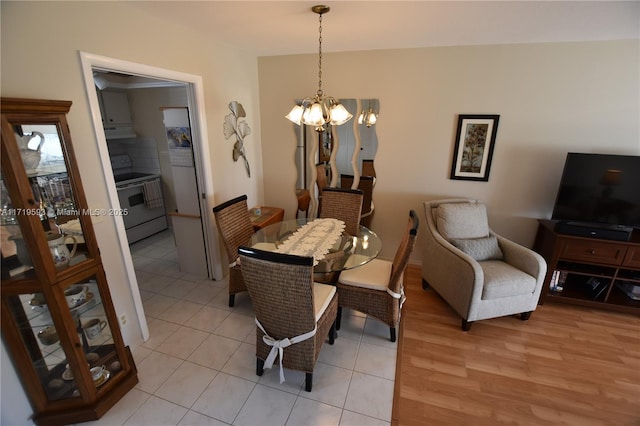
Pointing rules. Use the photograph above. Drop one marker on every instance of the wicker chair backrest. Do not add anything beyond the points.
(403, 252)
(234, 224)
(281, 291)
(366, 184)
(344, 205)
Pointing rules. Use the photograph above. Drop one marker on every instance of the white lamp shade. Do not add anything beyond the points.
(313, 115)
(295, 115)
(339, 114)
(372, 118)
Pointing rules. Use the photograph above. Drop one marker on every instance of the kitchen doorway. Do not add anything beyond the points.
(195, 104)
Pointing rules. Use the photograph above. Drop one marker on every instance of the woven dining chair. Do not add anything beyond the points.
(376, 288)
(322, 181)
(290, 308)
(366, 185)
(343, 204)
(234, 226)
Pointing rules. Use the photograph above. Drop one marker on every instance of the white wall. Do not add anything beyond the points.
(552, 98)
(40, 59)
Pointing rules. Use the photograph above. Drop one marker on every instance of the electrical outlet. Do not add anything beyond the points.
(123, 319)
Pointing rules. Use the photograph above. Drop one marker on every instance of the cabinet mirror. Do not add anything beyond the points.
(348, 150)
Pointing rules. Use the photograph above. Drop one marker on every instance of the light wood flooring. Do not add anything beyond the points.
(567, 365)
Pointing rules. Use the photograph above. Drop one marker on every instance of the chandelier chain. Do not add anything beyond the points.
(320, 56)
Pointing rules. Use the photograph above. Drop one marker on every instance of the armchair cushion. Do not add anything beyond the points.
(462, 220)
(480, 248)
(503, 280)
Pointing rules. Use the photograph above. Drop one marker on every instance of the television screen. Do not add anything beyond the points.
(599, 189)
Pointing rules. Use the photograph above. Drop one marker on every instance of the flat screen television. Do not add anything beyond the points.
(599, 192)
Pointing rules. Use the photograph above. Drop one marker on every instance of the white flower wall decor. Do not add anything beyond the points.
(233, 125)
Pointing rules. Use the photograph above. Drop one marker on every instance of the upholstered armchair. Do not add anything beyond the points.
(478, 273)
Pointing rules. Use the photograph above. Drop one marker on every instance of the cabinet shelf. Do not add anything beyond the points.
(593, 271)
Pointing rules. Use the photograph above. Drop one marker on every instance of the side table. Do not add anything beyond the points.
(262, 216)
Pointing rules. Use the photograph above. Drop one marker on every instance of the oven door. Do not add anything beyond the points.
(132, 201)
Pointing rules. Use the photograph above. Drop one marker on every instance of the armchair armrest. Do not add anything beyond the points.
(457, 277)
(524, 259)
(521, 257)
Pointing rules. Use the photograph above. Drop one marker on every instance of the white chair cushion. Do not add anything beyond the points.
(373, 275)
(503, 280)
(322, 294)
(462, 220)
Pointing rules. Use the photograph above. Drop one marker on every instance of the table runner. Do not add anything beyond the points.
(313, 239)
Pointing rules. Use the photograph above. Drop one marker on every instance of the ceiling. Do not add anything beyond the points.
(268, 28)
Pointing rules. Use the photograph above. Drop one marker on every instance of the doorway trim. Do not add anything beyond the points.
(195, 94)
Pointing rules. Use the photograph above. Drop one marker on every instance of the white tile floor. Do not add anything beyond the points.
(198, 366)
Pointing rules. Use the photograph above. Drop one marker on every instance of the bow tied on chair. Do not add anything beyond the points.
(277, 346)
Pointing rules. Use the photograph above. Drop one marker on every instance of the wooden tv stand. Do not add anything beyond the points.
(613, 267)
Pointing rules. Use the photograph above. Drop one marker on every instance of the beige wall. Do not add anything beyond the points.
(552, 98)
(40, 59)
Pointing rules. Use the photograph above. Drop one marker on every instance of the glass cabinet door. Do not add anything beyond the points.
(52, 201)
(41, 336)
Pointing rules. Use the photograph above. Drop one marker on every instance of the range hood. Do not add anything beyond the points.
(119, 132)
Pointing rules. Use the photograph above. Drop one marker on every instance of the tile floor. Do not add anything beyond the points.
(198, 366)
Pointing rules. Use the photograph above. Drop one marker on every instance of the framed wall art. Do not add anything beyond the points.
(475, 141)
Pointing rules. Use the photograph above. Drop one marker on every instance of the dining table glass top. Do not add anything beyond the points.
(333, 250)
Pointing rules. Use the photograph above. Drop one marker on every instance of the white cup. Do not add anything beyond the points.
(97, 372)
(93, 328)
(75, 295)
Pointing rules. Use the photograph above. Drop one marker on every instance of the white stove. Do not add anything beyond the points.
(141, 199)
(123, 173)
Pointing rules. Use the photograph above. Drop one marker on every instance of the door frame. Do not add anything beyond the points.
(204, 173)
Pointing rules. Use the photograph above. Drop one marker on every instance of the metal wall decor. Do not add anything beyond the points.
(233, 125)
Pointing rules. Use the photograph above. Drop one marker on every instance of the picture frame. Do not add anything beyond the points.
(473, 150)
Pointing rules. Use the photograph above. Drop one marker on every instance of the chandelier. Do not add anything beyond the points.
(320, 109)
(368, 117)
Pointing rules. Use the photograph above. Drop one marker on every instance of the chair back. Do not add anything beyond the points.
(366, 185)
(234, 225)
(281, 291)
(368, 169)
(345, 205)
(322, 181)
(304, 199)
(403, 252)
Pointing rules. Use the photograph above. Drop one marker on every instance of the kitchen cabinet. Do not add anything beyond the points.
(58, 321)
(114, 107)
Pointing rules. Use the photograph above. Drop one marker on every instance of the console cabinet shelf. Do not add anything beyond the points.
(590, 272)
(59, 325)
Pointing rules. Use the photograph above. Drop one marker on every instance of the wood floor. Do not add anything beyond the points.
(567, 365)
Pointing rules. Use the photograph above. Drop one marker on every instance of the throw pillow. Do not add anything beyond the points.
(462, 220)
(480, 248)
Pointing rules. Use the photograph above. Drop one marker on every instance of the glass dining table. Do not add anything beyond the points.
(322, 239)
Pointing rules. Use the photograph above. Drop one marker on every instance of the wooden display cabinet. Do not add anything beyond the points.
(588, 271)
(58, 321)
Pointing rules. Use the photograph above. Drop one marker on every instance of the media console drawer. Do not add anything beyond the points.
(593, 251)
(632, 259)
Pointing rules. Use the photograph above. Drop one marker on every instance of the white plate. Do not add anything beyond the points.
(67, 375)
